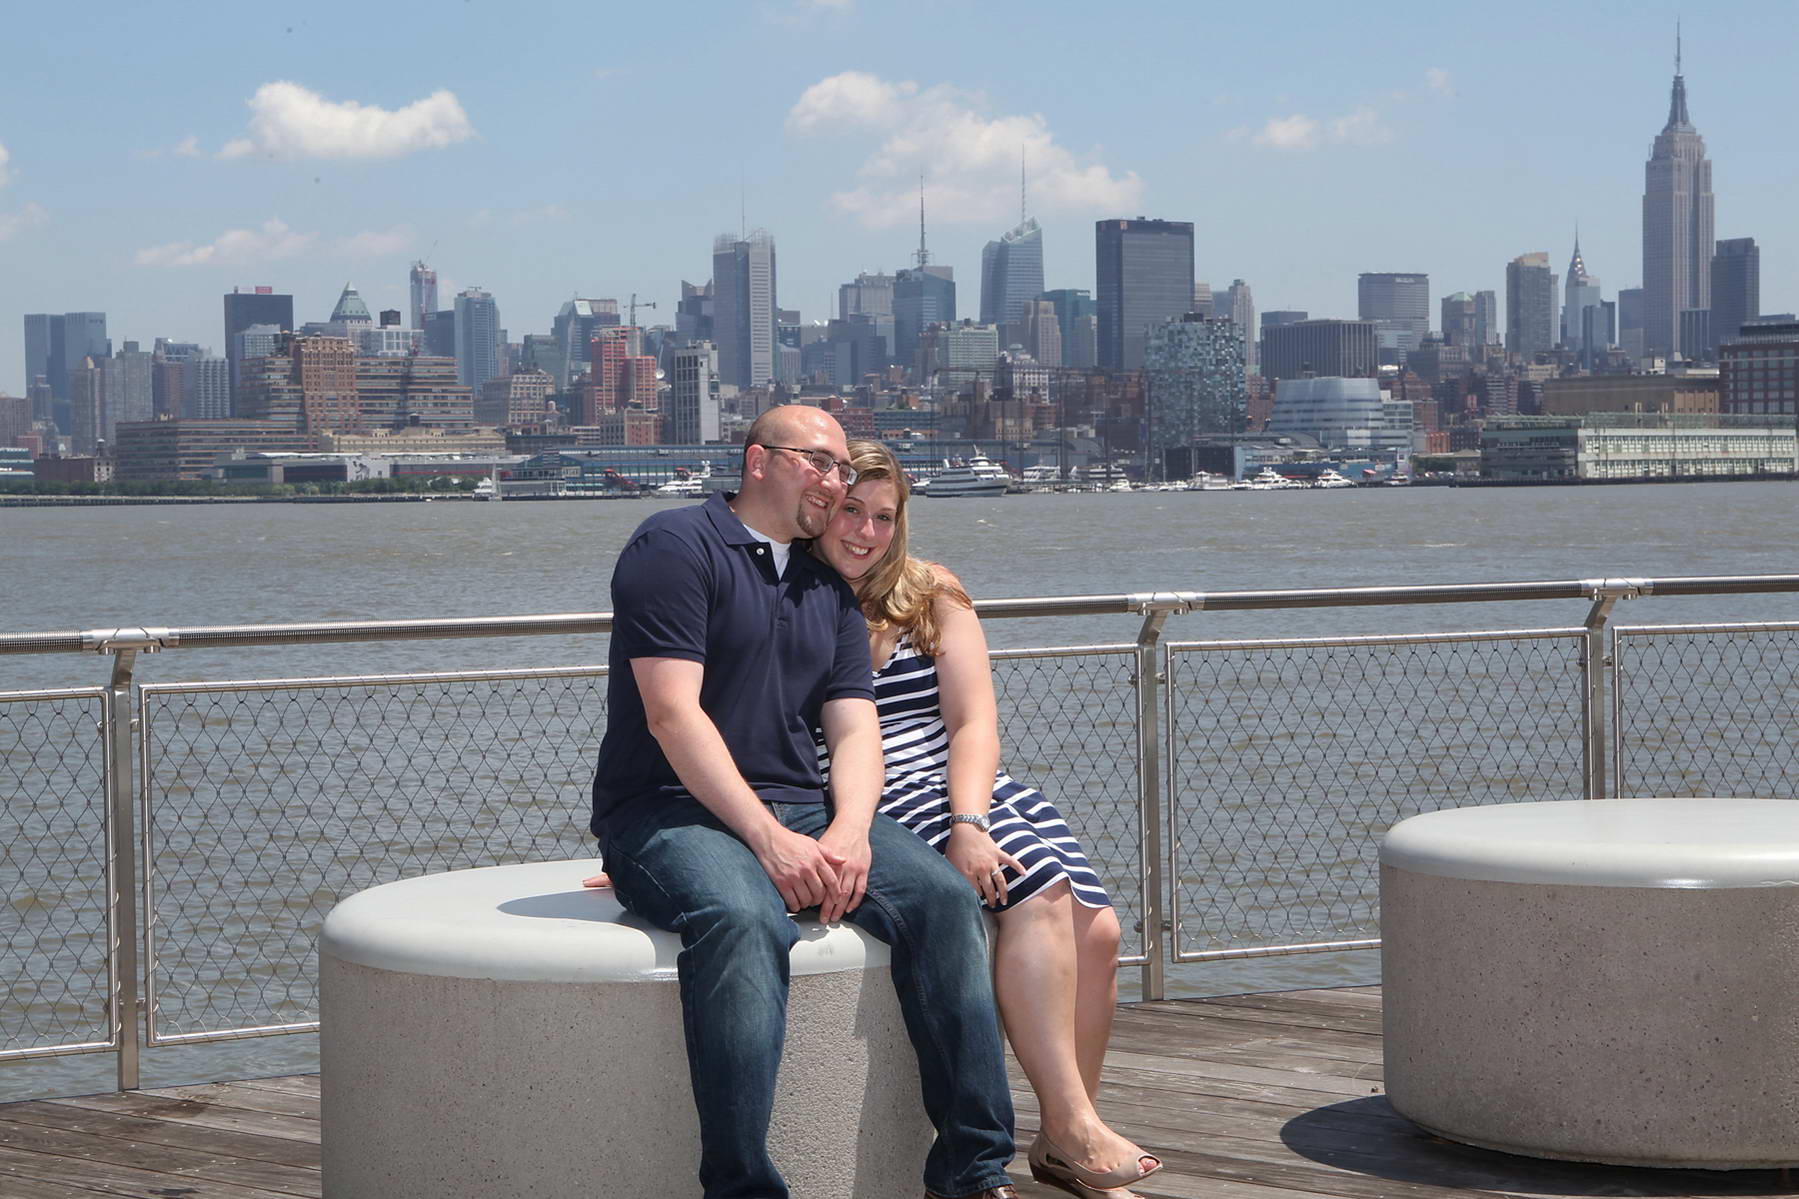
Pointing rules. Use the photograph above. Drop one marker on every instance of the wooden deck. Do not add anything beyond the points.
(1245, 1097)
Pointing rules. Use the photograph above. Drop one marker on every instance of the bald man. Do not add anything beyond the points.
(730, 643)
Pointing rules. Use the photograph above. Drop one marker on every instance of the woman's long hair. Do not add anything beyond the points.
(899, 591)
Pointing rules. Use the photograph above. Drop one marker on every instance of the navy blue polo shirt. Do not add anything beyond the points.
(693, 583)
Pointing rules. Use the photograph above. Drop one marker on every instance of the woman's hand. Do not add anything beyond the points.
(598, 880)
(973, 852)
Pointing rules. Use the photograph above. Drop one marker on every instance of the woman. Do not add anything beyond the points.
(1055, 959)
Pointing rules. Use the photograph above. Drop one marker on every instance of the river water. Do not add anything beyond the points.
(63, 569)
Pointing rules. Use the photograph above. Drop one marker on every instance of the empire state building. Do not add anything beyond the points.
(1677, 226)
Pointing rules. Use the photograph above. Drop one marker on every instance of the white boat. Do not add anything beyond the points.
(1269, 479)
(975, 475)
(1207, 481)
(1332, 478)
(1040, 476)
(488, 489)
(688, 486)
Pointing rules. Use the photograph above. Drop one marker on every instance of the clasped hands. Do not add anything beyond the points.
(830, 873)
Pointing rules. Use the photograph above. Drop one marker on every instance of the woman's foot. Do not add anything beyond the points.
(1092, 1158)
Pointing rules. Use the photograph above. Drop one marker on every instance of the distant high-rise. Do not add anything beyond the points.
(126, 389)
(743, 313)
(574, 328)
(1012, 275)
(1337, 348)
(1736, 287)
(1678, 222)
(1399, 305)
(1144, 276)
(1043, 332)
(1275, 317)
(1529, 304)
(477, 338)
(1580, 332)
(424, 293)
(866, 295)
(1240, 306)
(1459, 321)
(1078, 318)
(39, 363)
(922, 296)
(260, 306)
(692, 417)
(83, 337)
(1197, 387)
(1486, 317)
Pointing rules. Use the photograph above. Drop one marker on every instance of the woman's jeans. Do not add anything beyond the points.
(677, 866)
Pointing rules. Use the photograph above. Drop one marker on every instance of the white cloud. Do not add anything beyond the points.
(274, 240)
(1297, 132)
(1437, 79)
(289, 121)
(971, 159)
(25, 218)
(1300, 132)
(187, 147)
(5, 157)
(372, 243)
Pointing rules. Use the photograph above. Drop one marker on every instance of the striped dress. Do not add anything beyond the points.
(915, 744)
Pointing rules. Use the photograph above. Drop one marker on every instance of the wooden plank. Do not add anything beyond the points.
(160, 1158)
(55, 1114)
(109, 1179)
(1369, 1017)
(188, 1111)
(1189, 1067)
(1176, 1028)
(294, 1084)
(16, 1186)
(243, 1098)
(1250, 1014)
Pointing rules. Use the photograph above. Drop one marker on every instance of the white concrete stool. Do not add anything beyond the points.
(504, 1032)
(1609, 981)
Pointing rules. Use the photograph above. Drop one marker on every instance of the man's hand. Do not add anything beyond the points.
(846, 848)
(798, 867)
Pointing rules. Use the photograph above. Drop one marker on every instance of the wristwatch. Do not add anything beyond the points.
(979, 822)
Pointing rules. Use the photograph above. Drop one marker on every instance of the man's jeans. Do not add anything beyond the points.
(677, 866)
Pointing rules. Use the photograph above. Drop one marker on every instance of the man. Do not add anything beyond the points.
(729, 645)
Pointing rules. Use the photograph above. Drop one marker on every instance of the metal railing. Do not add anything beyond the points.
(169, 850)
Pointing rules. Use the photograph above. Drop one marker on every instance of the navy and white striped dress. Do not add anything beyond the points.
(915, 744)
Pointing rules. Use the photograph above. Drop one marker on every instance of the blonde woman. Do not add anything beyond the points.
(1055, 959)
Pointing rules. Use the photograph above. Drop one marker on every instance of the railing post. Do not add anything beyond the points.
(121, 870)
(1149, 799)
(1594, 661)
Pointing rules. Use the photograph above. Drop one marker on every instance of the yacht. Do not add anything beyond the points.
(975, 475)
(1332, 478)
(1207, 481)
(1269, 479)
(688, 486)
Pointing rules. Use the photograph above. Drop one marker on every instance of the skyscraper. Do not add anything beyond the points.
(1144, 276)
(1012, 276)
(424, 293)
(477, 338)
(1460, 323)
(1240, 307)
(1736, 287)
(1399, 305)
(692, 416)
(1194, 370)
(1581, 296)
(83, 337)
(1529, 304)
(743, 312)
(243, 309)
(38, 363)
(1336, 348)
(1678, 224)
(126, 389)
(1486, 318)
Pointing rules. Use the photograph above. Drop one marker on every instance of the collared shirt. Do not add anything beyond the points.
(694, 583)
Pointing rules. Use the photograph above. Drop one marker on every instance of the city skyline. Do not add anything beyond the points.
(1432, 159)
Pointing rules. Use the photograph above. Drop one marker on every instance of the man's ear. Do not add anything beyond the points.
(755, 461)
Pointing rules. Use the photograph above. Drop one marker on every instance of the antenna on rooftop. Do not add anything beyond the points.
(1677, 45)
(923, 256)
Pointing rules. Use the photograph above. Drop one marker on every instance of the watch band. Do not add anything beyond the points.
(979, 822)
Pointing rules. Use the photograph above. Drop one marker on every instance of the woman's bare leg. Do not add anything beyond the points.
(1096, 937)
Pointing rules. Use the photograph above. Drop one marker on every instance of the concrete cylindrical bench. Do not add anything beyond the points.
(504, 1032)
(1610, 981)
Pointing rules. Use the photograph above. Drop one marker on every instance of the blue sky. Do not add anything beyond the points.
(149, 163)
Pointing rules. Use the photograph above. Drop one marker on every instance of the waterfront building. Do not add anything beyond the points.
(156, 451)
(693, 411)
(922, 296)
(1341, 413)
(1322, 347)
(422, 288)
(1011, 274)
(245, 346)
(259, 306)
(1578, 396)
(415, 391)
(1736, 288)
(128, 388)
(471, 442)
(1529, 305)
(1194, 371)
(478, 338)
(521, 399)
(743, 308)
(1399, 306)
(1678, 224)
(15, 419)
(1240, 308)
(1758, 372)
(1583, 332)
(1143, 271)
(206, 388)
(1618, 446)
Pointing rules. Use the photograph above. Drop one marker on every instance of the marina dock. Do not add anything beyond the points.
(1267, 1096)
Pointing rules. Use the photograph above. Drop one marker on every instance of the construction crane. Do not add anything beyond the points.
(635, 306)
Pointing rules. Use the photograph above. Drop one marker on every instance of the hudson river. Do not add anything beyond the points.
(80, 568)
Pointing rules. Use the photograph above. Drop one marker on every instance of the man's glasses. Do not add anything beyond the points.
(821, 461)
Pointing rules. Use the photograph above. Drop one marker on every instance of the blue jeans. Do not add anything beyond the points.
(677, 866)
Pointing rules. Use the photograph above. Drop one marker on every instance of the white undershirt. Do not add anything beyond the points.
(780, 551)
